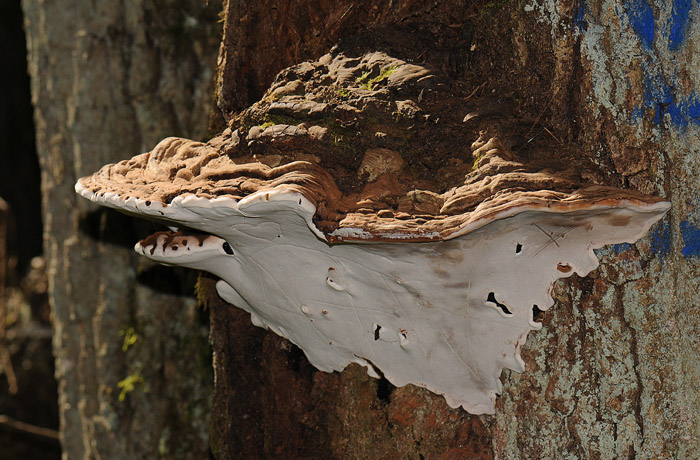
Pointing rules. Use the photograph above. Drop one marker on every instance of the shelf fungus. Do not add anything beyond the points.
(375, 214)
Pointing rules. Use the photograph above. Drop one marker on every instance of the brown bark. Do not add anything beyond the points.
(594, 385)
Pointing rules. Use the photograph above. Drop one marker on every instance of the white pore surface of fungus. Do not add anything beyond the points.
(446, 315)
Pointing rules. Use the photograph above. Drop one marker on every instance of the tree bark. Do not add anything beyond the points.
(613, 373)
(110, 79)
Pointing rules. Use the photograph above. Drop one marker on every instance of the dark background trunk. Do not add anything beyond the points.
(28, 406)
(109, 79)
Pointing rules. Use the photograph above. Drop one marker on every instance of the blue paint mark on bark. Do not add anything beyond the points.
(679, 23)
(691, 239)
(636, 115)
(580, 16)
(657, 95)
(641, 19)
(662, 99)
(661, 239)
(622, 247)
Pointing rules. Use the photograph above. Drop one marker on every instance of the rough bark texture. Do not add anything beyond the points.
(614, 372)
(132, 359)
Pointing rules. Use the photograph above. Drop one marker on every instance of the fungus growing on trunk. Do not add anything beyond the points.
(429, 269)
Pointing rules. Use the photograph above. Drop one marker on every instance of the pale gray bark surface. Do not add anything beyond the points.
(109, 80)
(615, 371)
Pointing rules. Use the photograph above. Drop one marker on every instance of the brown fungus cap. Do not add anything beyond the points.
(378, 145)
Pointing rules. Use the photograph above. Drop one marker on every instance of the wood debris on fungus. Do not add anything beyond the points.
(455, 222)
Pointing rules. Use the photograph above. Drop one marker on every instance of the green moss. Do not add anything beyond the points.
(271, 120)
(343, 93)
(244, 123)
(369, 83)
(130, 337)
(364, 79)
(386, 73)
(478, 158)
(128, 385)
(398, 117)
(341, 136)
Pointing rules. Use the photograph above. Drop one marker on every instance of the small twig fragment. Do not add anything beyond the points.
(28, 428)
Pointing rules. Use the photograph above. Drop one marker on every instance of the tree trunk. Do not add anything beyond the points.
(110, 79)
(613, 373)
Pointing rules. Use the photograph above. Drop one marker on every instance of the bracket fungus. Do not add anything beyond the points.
(421, 243)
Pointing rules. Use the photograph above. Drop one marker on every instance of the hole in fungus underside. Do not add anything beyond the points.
(492, 299)
(537, 314)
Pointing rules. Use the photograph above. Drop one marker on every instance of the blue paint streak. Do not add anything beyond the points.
(622, 247)
(691, 238)
(641, 19)
(661, 239)
(661, 98)
(580, 16)
(636, 115)
(679, 21)
(657, 95)
(692, 108)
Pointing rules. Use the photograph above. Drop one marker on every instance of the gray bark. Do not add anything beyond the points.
(614, 373)
(109, 80)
